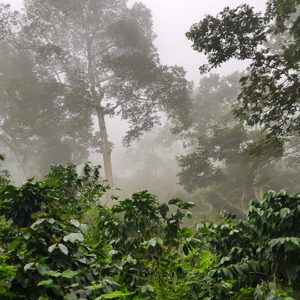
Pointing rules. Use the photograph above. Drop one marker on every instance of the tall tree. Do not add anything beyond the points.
(270, 90)
(103, 52)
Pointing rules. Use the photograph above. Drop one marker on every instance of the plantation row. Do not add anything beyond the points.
(57, 242)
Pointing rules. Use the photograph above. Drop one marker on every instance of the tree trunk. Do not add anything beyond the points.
(21, 165)
(105, 148)
(248, 191)
(104, 142)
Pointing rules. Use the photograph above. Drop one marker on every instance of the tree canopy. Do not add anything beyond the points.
(105, 52)
(34, 124)
(229, 163)
(101, 53)
(269, 96)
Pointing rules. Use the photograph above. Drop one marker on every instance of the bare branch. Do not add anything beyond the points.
(107, 78)
(103, 51)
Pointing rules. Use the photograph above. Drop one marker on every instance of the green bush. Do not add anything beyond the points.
(58, 242)
(263, 249)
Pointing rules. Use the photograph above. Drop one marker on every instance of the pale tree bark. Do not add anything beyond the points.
(105, 148)
(97, 93)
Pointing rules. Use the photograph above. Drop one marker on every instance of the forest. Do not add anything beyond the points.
(122, 178)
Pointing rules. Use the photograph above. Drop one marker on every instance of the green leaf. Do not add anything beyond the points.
(113, 295)
(174, 201)
(70, 274)
(273, 242)
(51, 248)
(28, 266)
(284, 212)
(159, 241)
(14, 244)
(227, 273)
(131, 260)
(42, 260)
(53, 273)
(84, 228)
(75, 223)
(295, 241)
(71, 296)
(94, 287)
(42, 269)
(63, 249)
(47, 283)
(27, 236)
(152, 242)
(38, 222)
(147, 288)
(73, 237)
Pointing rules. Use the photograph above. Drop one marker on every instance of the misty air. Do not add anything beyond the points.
(149, 149)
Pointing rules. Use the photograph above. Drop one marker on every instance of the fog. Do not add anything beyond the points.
(171, 20)
(152, 160)
(149, 149)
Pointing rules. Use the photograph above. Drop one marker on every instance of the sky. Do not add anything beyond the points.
(171, 20)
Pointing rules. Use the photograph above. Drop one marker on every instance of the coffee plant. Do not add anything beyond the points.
(59, 241)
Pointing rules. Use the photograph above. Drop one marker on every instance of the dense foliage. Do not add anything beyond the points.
(227, 162)
(244, 133)
(270, 42)
(58, 242)
(65, 64)
(35, 127)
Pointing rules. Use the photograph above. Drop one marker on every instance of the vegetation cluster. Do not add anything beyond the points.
(67, 65)
(58, 242)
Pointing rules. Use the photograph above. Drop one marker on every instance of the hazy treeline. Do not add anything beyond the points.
(66, 66)
(66, 69)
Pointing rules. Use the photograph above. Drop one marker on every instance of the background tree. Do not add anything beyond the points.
(270, 90)
(36, 128)
(231, 163)
(154, 155)
(103, 52)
